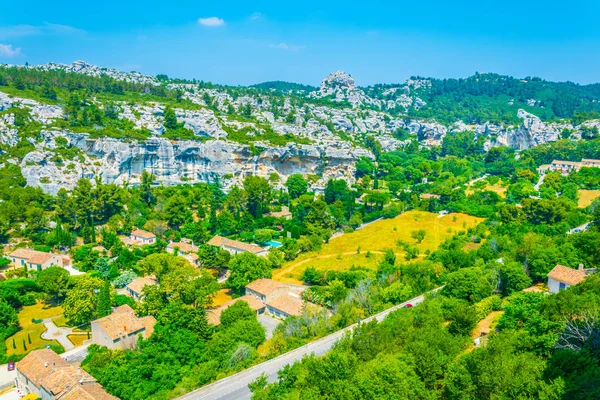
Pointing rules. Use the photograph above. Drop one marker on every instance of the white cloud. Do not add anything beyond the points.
(287, 47)
(18, 31)
(211, 21)
(61, 29)
(256, 16)
(6, 50)
(282, 45)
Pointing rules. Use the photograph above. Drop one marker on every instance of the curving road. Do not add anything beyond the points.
(236, 386)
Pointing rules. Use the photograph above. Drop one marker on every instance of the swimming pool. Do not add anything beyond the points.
(274, 244)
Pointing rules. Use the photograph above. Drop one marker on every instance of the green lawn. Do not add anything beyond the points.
(32, 330)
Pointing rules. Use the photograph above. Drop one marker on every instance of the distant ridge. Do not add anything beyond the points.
(284, 86)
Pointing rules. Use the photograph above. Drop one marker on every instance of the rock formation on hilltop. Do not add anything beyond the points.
(232, 132)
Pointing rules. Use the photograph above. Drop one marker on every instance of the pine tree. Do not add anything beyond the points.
(29, 338)
(104, 301)
(14, 344)
(24, 345)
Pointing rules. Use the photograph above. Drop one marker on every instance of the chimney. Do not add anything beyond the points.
(580, 267)
(46, 364)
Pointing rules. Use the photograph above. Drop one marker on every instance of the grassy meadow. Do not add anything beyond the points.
(586, 197)
(342, 252)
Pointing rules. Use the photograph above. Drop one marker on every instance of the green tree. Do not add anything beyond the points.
(418, 235)
(170, 119)
(104, 302)
(245, 268)
(102, 267)
(296, 185)
(54, 281)
(81, 301)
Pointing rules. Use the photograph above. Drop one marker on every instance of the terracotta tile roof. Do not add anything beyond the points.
(192, 257)
(23, 253)
(429, 196)
(143, 234)
(148, 321)
(88, 392)
(575, 163)
(214, 314)
(567, 275)
(64, 379)
(288, 304)
(122, 322)
(41, 258)
(220, 241)
(125, 308)
(138, 283)
(33, 366)
(183, 246)
(265, 286)
(285, 212)
(32, 256)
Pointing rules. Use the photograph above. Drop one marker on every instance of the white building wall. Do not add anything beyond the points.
(554, 285)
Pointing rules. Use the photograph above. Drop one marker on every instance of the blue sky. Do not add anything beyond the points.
(248, 42)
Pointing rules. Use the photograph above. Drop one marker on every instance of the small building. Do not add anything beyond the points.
(427, 196)
(139, 237)
(562, 277)
(48, 376)
(36, 260)
(236, 247)
(285, 305)
(266, 289)
(121, 329)
(134, 289)
(565, 167)
(284, 213)
(186, 249)
(590, 163)
(214, 314)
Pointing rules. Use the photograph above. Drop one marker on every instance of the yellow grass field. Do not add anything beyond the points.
(77, 340)
(496, 188)
(38, 311)
(222, 296)
(587, 197)
(341, 252)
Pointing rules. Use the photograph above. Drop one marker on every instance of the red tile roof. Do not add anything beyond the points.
(143, 234)
(220, 241)
(265, 286)
(567, 275)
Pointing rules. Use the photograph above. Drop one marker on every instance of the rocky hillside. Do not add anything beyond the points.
(63, 122)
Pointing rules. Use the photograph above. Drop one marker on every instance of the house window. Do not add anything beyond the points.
(562, 286)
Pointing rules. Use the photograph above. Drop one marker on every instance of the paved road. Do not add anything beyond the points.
(76, 355)
(236, 386)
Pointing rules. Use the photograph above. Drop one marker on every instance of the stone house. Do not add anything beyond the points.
(134, 289)
(139, 237)
(49, 377)
(286, 305)
(561, 277)
(266, 289)
(236, 247)
(186, 249)
(121, 329)
(36, 260)
(284, 213)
